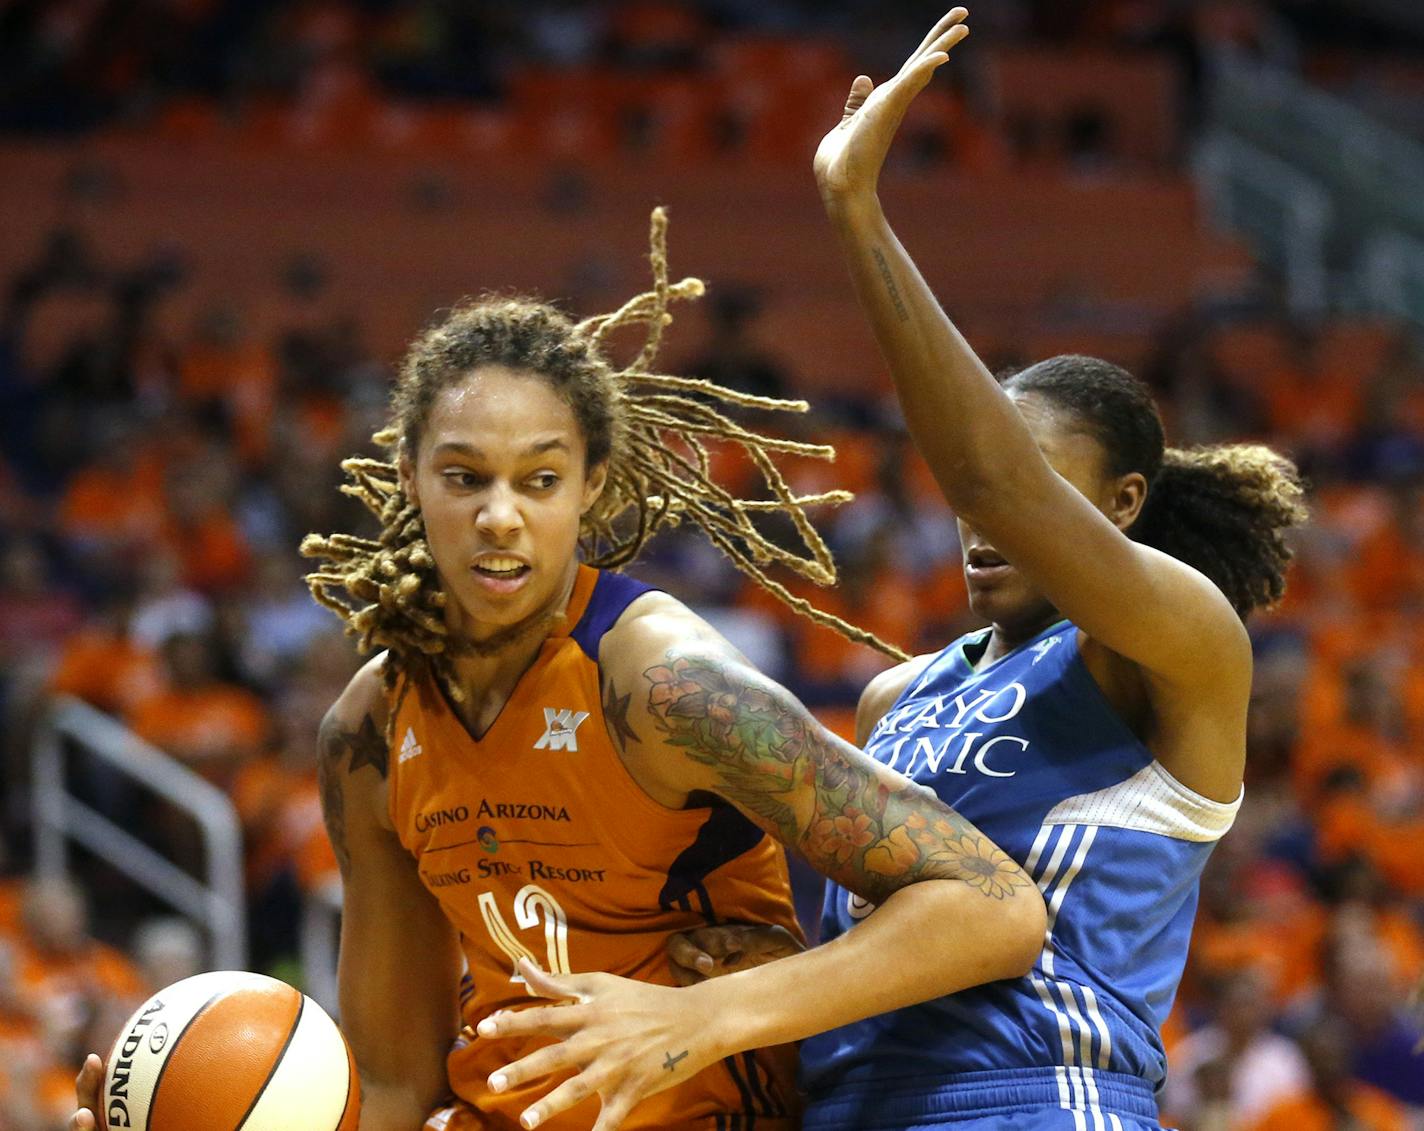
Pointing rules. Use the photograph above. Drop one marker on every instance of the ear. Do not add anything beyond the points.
(405, 468)
(1127, 499)
(593, 484)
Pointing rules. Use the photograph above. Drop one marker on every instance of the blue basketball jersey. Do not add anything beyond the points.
(1031, 751)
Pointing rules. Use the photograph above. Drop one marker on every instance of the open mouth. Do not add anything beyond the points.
(984, 564)
(500, 570)
(983, 558)
(501, 567)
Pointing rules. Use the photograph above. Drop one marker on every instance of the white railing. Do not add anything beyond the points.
(1284, 212)
(60, 817)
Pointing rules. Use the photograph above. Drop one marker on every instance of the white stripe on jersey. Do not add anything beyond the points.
(1038, 844)
(1089, 835)
(1104, 1039)
(1074, 1030)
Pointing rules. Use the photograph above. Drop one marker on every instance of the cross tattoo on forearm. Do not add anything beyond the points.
(671, 1062)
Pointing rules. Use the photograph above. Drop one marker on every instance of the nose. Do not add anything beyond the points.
(499, 516)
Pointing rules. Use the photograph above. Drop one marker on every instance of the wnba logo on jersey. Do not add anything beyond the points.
(983, 709)
(560, 729)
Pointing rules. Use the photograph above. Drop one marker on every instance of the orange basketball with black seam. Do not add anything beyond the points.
(230, 1051)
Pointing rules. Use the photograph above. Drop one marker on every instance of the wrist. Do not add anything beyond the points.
(733, 1013)
(851, 208)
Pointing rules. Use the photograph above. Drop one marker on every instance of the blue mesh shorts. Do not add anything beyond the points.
(1028, 1099)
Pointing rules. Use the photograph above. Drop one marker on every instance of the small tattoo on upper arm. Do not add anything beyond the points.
(615, 715)
(367, 747)
(890, 287)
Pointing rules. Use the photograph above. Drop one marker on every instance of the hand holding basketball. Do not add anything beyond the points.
(222, 1050)
(86, 1095)
(624, 1041)
(849, 158)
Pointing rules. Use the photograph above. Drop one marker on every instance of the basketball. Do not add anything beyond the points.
(230, 1051)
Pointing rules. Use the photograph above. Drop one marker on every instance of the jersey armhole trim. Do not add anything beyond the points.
(1150, 801)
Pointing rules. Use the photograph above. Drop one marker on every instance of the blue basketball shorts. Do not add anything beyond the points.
(1026, 1099)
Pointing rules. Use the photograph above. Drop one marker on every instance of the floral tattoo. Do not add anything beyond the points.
(818, 795)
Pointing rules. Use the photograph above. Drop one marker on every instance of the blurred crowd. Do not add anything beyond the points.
(155, 484)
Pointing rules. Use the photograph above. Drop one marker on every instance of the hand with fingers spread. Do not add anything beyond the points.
(623, 1040)
(86, 1095)
(849, 158)
(710, 952)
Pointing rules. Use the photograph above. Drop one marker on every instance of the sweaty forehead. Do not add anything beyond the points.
(1064, 440)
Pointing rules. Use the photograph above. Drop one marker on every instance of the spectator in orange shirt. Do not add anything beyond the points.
(1335, 1101)
(1389, 566)
(200, 526)
(103, 663)
(211, 726)
(68, 979)
(1368, 738)
(1316, 406)
(115, 503)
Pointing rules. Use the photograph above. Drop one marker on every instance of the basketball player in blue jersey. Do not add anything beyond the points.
(1096, 729)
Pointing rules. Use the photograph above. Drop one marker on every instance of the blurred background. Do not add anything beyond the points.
(220, 221)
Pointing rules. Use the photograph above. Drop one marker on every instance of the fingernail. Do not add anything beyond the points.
(488, 1027)
(704, 963)
(498, 1082)
(530, 1119)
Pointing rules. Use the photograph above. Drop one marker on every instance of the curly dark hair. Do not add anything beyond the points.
(648, 429)
(1224, 509)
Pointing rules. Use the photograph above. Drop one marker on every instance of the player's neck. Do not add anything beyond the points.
(1006, 637)
(489, 662)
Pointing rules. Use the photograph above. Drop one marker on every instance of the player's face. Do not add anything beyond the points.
(997, 591)
(501, 485)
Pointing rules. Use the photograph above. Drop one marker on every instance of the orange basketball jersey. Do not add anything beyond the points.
(539, 844)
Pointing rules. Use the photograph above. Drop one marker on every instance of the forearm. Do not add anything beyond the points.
(962, 422)
(959, 937)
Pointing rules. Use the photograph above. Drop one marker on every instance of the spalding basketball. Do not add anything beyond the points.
(230, 1051)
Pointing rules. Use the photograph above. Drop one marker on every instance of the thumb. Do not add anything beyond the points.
(550, 986)
(859, 92)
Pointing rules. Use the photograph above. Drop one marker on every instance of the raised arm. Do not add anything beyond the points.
(399, 1015)
(701, 721)
(1135, 600)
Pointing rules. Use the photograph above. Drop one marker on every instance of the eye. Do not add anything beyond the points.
(459, 477)
(544, 481)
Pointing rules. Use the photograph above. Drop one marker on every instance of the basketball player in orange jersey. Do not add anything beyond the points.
(554, 768)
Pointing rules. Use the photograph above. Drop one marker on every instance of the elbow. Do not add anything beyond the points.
(1025, 928)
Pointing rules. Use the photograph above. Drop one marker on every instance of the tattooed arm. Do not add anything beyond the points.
(387, 917)
(694, 719)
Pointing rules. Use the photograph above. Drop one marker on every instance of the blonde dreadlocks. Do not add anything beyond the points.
(651, 429)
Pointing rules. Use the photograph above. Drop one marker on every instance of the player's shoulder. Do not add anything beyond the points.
(362, 703)
(654, 626)
(882, 691)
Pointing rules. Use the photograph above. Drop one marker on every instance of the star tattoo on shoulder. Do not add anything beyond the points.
(368, 748)
(615, 714)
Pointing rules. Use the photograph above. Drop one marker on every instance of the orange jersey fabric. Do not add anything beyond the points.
(538, 843)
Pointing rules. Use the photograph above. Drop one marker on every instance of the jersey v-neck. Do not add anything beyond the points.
(978, 644)
(584, 584)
